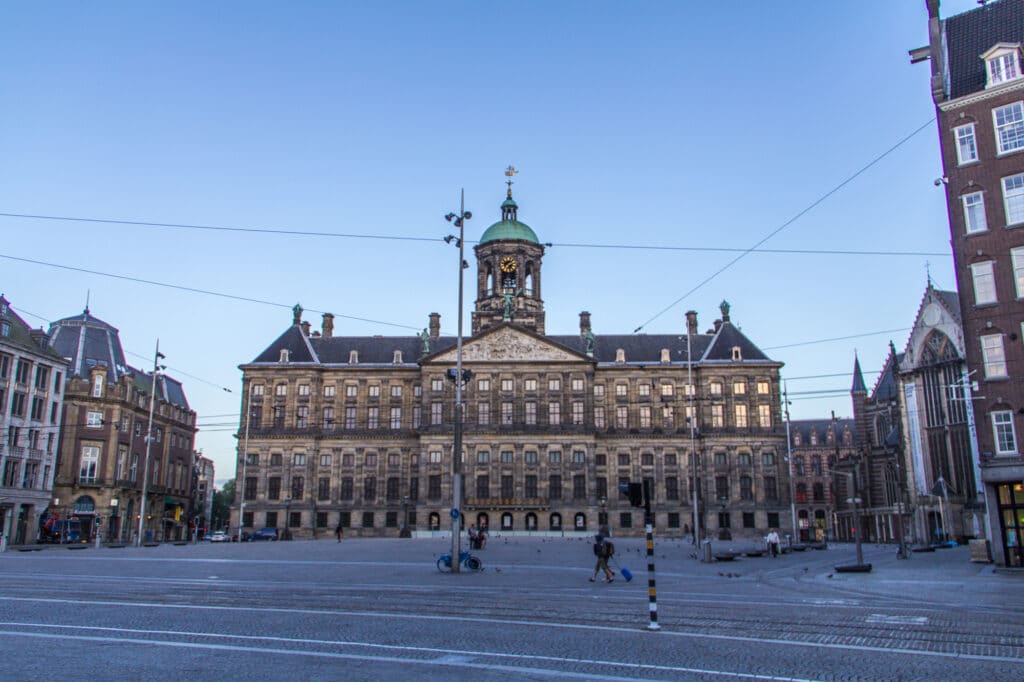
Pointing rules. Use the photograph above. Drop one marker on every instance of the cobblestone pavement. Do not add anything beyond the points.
(380, 609)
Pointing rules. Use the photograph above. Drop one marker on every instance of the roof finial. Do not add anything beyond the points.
(510, 173)
(928, 272)
(86, 311)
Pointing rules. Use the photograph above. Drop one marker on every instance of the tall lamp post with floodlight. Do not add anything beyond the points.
(157, 357)
(459, 219)
(240, 489)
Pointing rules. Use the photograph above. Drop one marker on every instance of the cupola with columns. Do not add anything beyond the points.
(508, 259)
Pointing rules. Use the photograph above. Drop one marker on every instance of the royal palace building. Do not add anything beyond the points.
(358, 431)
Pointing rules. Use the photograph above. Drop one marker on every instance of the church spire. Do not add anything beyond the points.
(858, 378)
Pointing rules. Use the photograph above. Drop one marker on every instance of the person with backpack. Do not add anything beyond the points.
(603, 550)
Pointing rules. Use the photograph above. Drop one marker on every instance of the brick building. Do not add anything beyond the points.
(103, 440)
(359, 430)
(977, 85)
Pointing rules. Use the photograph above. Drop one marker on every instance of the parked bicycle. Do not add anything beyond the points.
(472, 563)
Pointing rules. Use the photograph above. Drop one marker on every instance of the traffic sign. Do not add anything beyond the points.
(455, 513)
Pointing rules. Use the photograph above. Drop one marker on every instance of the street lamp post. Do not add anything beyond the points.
(460, 222)
(693, 449)
(286, 534)
(240, 489)
(789, 458)
(157, 357)
(405, 533)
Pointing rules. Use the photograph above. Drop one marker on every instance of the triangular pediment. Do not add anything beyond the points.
(509, 344)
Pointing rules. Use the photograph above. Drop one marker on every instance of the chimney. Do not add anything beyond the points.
(328, 326)
(435, 325)
(691, 322)
(305, 328)
(584, 323)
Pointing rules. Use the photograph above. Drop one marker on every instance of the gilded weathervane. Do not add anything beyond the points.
(510, 173)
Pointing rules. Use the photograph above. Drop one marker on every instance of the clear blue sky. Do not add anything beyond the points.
(687, 124)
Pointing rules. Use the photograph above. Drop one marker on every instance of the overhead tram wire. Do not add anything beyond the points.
(572, 245)
(838, 338)
(195, 290)
(789, 222)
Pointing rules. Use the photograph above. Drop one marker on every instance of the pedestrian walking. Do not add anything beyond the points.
(603, 550)
(773, 543)
(338, 532)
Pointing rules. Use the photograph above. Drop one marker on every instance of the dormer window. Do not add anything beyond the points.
(620, 355)
(397, 359)
(737, 354)
(1002, 64)
(353, 357)
(284, 356)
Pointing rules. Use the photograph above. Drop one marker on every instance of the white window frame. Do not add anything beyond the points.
(90, 464)
(644, 389)
(531, 413)
(434, 457)
(436, 413)
(97, 386)
(975, 220)
(351, 390)
(304, 390)
(966, 144)
(483, 384)
(530, 385)
(329, 391)
(94, 420)
(1017, 260)
(577, 385)
(555, 384)
(1002, 68)
(396, 417)
(374, 390)
(984, 279)
(764, 416)
(1002, 425)
(1013, 198)
(483, 413)
(1010, 132)
(993, 356)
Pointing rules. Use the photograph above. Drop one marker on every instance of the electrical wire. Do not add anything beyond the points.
(838, 338)
(573, 245)
(786, 224)
(194, 290)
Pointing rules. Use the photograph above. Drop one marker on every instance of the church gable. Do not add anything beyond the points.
(508, 344)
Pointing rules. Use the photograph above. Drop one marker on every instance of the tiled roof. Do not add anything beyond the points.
(804, 427)
(886, 388)
(858, 378)
(638, 348)
(729, 337)
(22, 335)
(970, 34)
(89, 341)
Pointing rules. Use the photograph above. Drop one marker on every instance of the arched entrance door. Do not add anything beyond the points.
(435, 521)
(506, 521)
(531, 521)
(580, 521)
(556, 521)
(85, 511)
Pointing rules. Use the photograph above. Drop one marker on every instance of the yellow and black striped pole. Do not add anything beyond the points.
(652, 592)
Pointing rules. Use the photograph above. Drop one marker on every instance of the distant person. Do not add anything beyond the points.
(339, 532)
(474, 538)
(773, 543)
(603, 550)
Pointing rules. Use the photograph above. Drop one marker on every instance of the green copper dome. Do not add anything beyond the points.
(509, 227)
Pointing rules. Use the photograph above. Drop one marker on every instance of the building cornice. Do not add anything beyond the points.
(982, 95)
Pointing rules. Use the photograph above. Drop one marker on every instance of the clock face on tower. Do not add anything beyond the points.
(507, 264)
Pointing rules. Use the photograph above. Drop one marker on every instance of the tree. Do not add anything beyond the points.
(222, 501)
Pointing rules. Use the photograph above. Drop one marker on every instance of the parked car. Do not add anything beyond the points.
(264, 534)
(219, 536)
